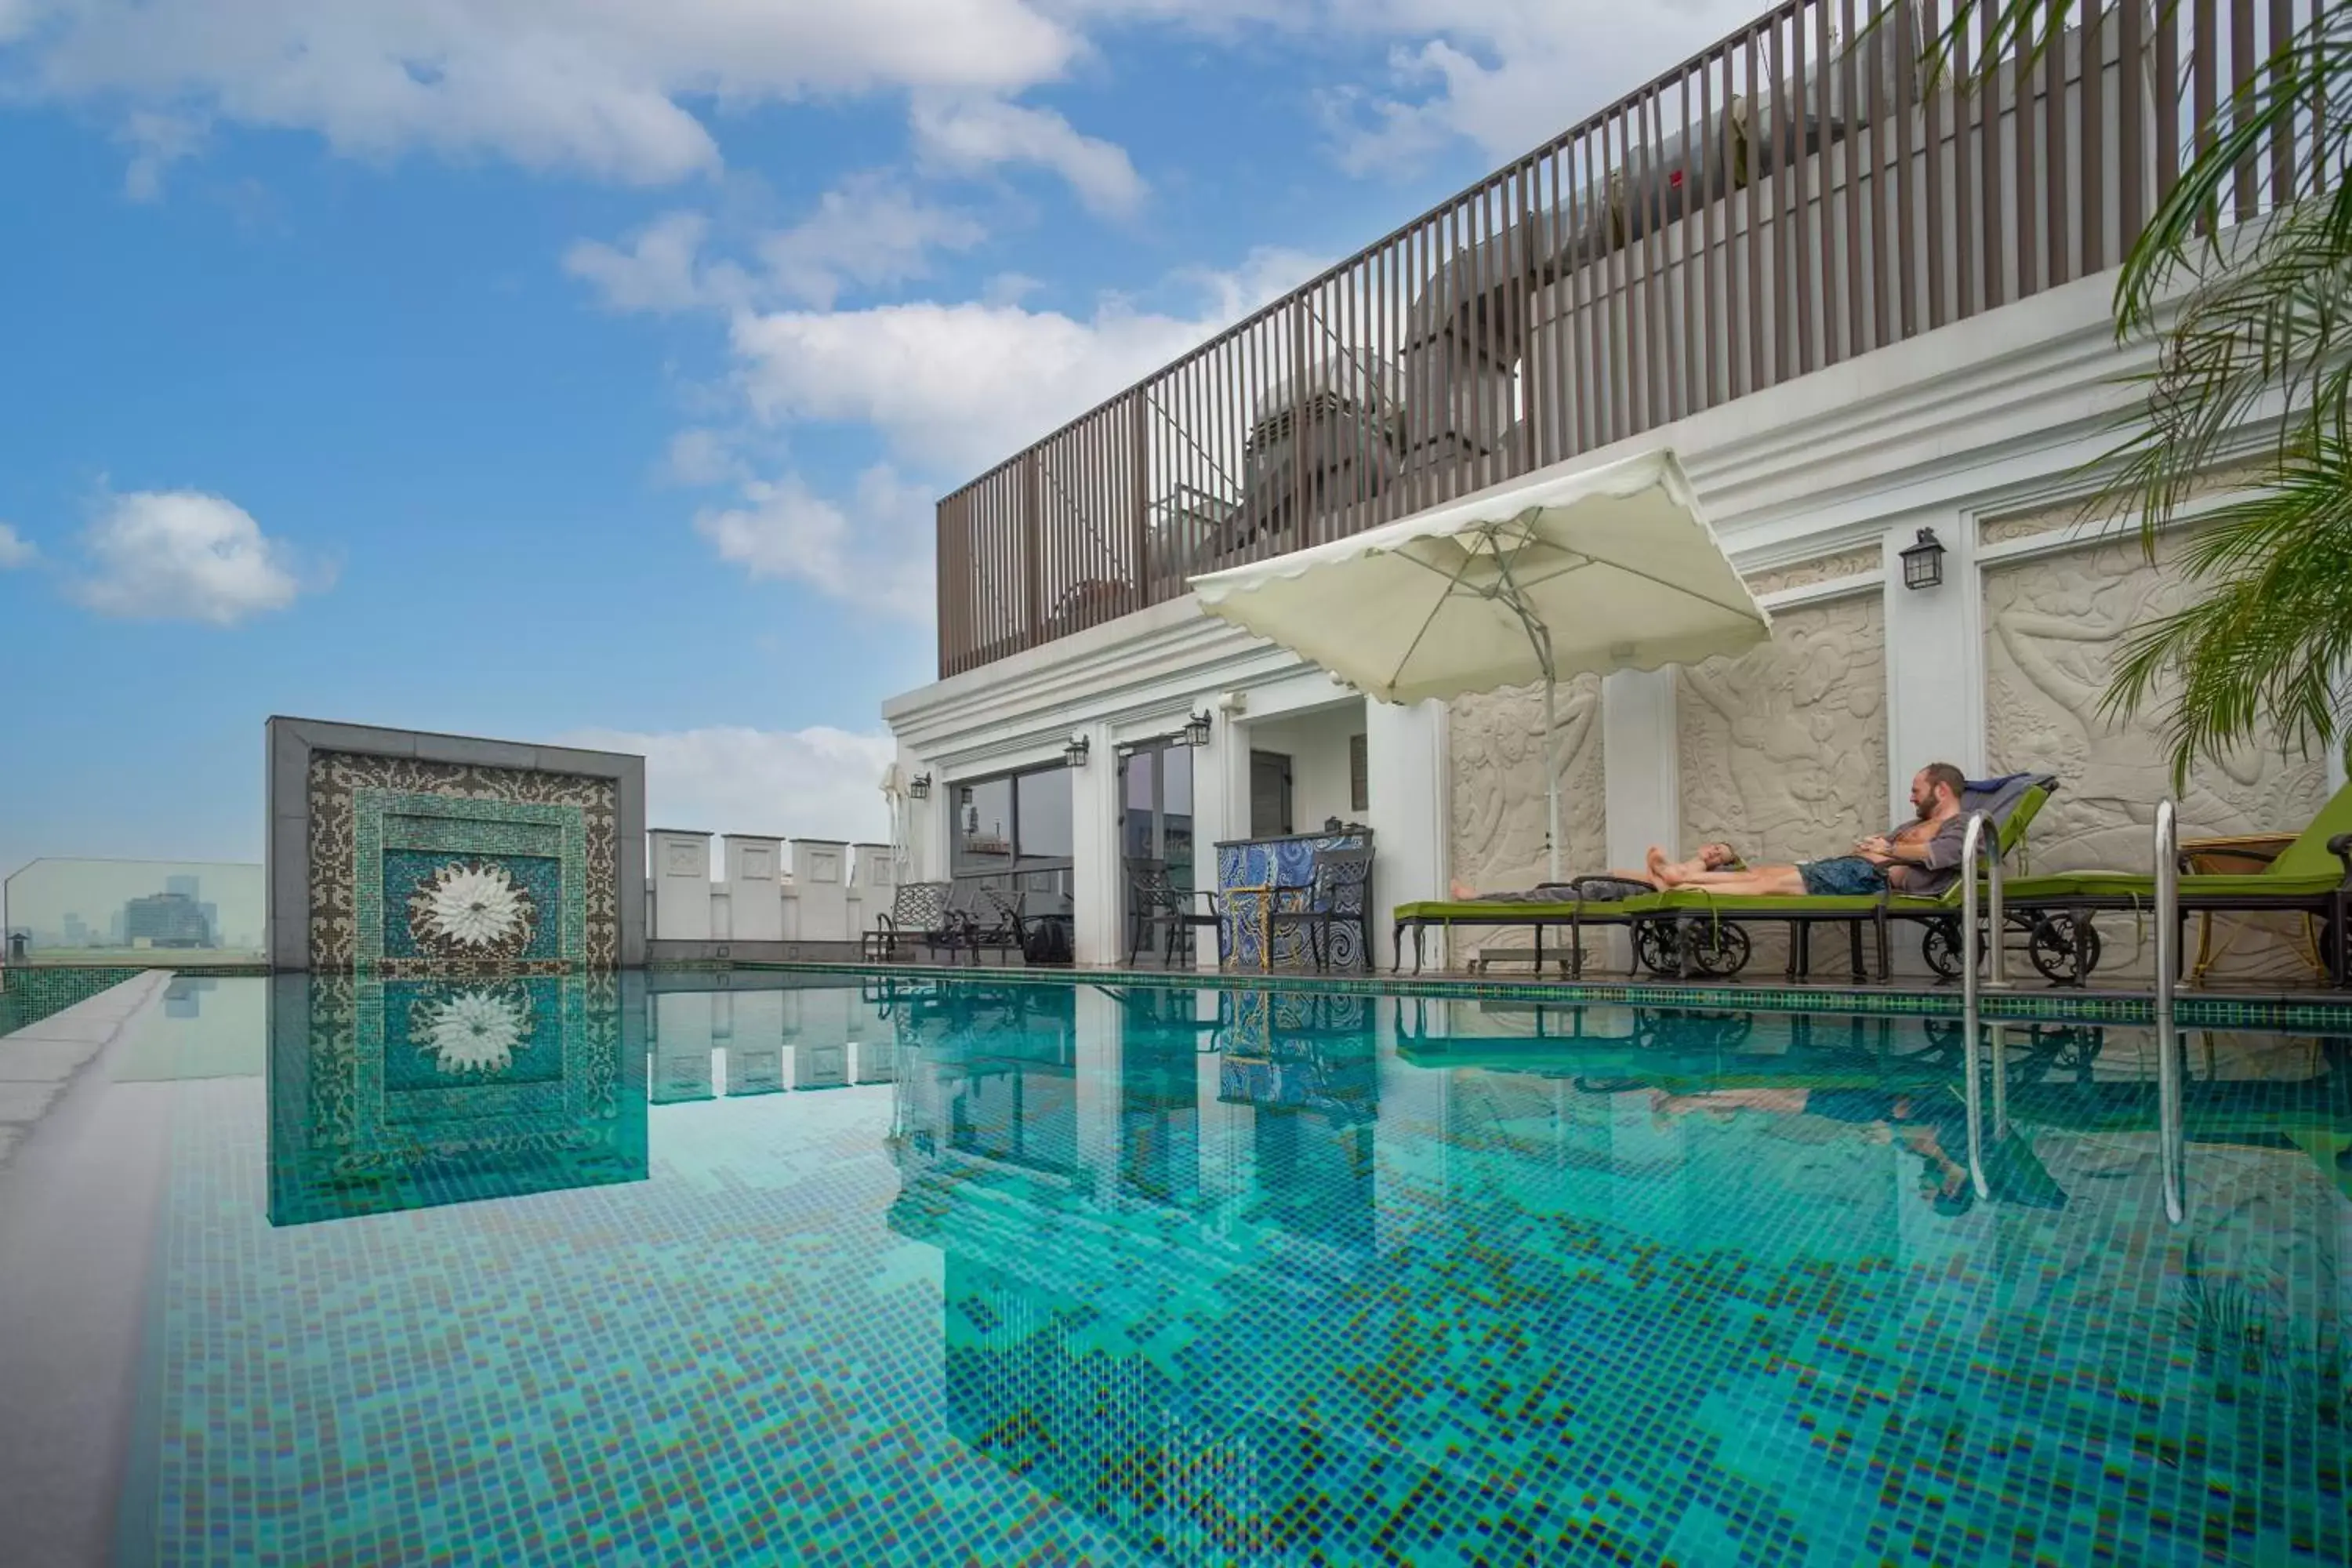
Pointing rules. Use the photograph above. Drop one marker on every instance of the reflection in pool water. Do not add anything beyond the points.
(1047, 1272)
(397, 1094)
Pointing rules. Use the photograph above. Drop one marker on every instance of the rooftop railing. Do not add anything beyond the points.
(1782, 203)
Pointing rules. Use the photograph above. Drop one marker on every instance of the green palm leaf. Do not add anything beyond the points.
(2251, 323)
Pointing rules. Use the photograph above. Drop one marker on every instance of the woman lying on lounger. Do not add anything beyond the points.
(1931, 1123)
(1608, 885)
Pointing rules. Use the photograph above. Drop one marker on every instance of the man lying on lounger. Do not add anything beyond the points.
(1920, 858)
(1716, 857)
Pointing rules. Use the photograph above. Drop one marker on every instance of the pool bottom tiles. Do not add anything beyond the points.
(981, 1272)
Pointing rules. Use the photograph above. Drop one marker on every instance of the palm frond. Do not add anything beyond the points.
(2263, 651)
(2250, 314)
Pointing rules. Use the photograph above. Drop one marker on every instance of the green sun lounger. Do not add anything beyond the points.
(1692, 933)
(2312, 876)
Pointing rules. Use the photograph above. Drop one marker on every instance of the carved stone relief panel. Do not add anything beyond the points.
(1868, 560)
(1782, 751)
(2076, 513)
(1497, 748)
(2053, 625)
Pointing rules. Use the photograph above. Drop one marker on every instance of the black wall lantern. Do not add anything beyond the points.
(1075, 754)
(1922, 562)
(1196, 730)
(920, 788)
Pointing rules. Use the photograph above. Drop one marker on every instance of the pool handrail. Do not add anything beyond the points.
(1972, 845)
(2170, 1130)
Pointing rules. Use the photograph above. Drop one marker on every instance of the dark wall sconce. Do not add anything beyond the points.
(920, 788)
(1196, 730)
(1922, 562)
(1075, 754)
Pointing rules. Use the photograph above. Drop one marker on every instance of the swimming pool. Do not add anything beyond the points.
(658, 1270)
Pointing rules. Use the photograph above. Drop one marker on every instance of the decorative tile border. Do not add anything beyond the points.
(319, 770)
(2317, 1014)
(389, 821)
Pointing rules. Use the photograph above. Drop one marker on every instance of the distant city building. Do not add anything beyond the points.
(165, 919)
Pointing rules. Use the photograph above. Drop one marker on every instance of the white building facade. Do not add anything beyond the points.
(1979, 430)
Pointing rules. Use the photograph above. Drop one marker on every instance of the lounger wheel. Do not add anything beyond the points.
(1653, 948)
(1718, 949)
(2064, 948)
(1941, 946)
(2069, 1047)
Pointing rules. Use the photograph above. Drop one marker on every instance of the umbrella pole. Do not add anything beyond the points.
(1551, 775)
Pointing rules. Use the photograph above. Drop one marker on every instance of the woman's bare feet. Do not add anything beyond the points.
(1662, 871)
(1461, 891)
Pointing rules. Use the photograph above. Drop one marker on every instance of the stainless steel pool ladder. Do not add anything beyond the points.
(2171, 1136)
(1974, 843)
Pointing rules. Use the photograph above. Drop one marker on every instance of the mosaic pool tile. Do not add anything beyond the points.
(29, 995)
(2311, 1010)
(1127, 1275)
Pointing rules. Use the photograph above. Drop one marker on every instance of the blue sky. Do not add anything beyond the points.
(586, 369)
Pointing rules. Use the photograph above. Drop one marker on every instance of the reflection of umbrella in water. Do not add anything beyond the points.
(1608, 568)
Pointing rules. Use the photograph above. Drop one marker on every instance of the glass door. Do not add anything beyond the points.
(1155, 826)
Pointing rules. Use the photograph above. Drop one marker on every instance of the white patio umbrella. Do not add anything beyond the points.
(894, 790)
(1611, 568)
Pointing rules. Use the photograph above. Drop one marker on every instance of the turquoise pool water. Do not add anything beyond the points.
(561, 1272)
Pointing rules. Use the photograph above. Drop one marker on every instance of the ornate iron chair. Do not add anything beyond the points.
(917, 917)
(1154, 902)
(1339, 894)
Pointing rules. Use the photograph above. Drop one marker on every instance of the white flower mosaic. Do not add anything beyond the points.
(472, 910)
(473, 1031)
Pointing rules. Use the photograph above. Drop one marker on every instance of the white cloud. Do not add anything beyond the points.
(872, 231)
(876, 554)
(15, 550)
(817, 783)
(615, 89)
(1010, 288)
(185, 555)
(157, 141)
(954, 388)
(596, 86)
(1507, 74)
(869, 230)
(701, 457)
(659, 269)
(971, 135)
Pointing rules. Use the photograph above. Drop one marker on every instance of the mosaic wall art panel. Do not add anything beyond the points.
(420, 868)
(1256, 878)
(388, 1095)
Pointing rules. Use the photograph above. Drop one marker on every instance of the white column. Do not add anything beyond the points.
(682, 1052)
(821, 890)
(927, 854)
(1641, 794)
(1094, 852)
(681, 884)
(1101, 1042)
(1642, 787)
(1934, 664)
(755, 897)
(1404, 764)
(1220, 803)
